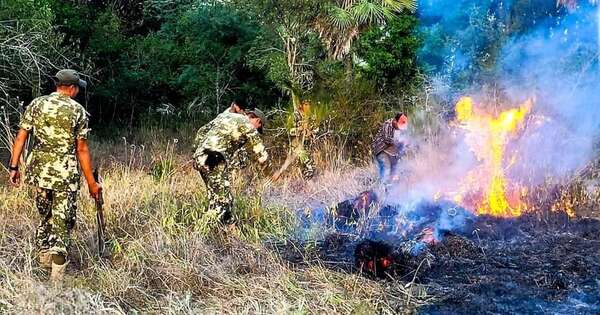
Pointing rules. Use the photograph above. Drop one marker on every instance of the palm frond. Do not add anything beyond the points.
(340, 18)
(367, 12)
(400, 5)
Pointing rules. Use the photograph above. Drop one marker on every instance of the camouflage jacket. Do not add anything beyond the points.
(56, 122)
(201, 133)
(240, 158)
(227, 134)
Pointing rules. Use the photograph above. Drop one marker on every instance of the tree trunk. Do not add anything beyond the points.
(296, 142)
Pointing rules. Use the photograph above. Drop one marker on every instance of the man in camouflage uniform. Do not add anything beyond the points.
(60, 127)
(217, 147)
(304, 131)
(241, 157)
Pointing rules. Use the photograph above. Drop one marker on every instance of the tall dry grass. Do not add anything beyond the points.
(167, 259)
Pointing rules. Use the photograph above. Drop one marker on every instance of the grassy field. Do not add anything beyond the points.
(168, 258)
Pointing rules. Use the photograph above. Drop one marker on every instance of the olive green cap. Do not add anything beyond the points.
(69, 77)
(261, 116)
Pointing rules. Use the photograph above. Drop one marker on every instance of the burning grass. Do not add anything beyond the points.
(295, 251)
(538, 263)
(166, 259)
(488, 137)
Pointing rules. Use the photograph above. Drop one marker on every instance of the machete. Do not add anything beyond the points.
(100, 218)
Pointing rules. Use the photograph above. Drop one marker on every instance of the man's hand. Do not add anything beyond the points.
(85, 162)
(15, 178)
(95, 190)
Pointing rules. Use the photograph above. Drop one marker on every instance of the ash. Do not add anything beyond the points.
(542, 263)
(544, 267)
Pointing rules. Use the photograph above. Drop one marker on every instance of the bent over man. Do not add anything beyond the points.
(241, 157)
(59, 126)
(238, 106)
(387, 150)
(216, 149)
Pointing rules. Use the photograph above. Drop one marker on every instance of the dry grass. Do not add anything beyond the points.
(167, 259)
(167, 256)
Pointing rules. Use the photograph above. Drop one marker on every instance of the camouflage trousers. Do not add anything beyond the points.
(218, 187)
(307, 164)
(57, 211)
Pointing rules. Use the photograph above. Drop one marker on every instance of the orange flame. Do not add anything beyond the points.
(487, 137)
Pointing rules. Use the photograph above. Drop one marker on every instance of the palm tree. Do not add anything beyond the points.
(337, 23)
(341, 21)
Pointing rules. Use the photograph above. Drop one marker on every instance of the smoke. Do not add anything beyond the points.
(459, 39)
(558, 65)
(474, 47)
(535, 50)
(502, 56)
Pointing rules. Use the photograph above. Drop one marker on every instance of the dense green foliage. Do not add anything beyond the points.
(151, 60)
(463, 40)
(388, 54)
(170, 59)
(167, 60)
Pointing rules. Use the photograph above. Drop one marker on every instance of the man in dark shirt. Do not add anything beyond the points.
(386, 150)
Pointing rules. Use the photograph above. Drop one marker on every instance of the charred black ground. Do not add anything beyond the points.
(535, 264)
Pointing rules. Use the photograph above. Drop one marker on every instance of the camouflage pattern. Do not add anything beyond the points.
(307, 164)
(304, 131)
(218, 189)
(201, 133)
(228, 134)
(56, 121)
(240, 158)
(57, 210)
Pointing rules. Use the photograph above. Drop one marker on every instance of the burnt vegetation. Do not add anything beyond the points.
(527, 265)
(160, 69)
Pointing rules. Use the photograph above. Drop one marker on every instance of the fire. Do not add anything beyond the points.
(487, 136)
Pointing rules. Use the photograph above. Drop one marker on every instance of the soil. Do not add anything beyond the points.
(536, 264)
(553, 269)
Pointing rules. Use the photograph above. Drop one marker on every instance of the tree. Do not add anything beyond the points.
(151, 58)
(29, 49)
(209, 45)
(30, 54)
(387, 54)
(337, 23)
(341, 21)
